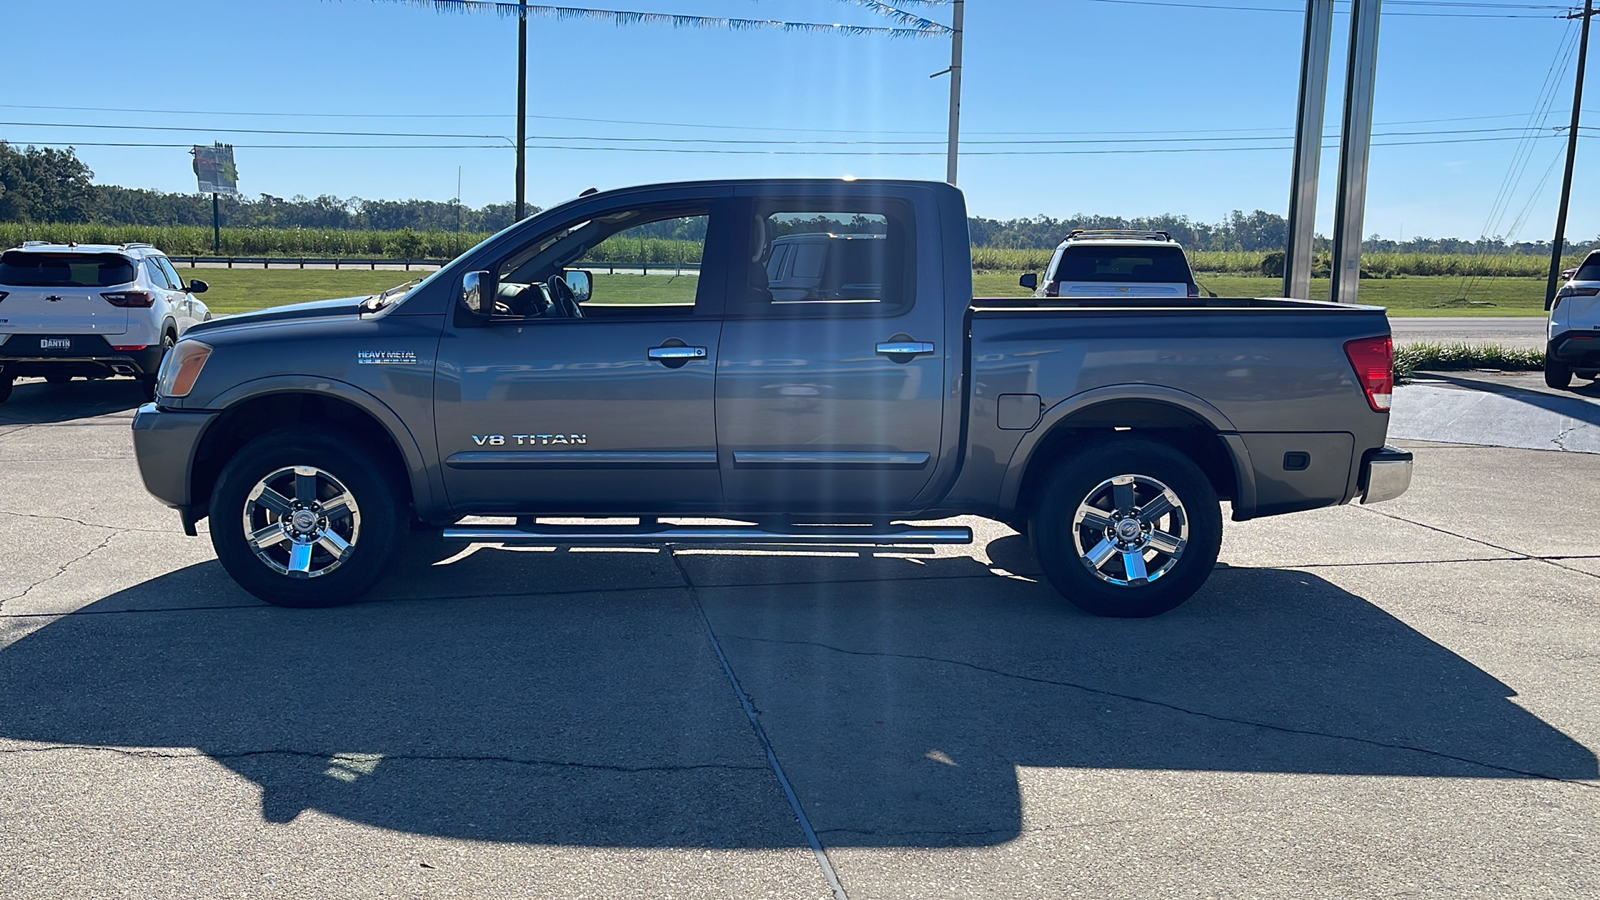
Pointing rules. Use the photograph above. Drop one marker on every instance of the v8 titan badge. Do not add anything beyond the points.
(386, 357)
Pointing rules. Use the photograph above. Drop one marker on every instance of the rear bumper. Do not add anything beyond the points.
(1385, 474)
(22, 355)
(1580, 349)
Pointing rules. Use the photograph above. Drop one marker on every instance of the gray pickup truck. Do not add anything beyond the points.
(520, 381)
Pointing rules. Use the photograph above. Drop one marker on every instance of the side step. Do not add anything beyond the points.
(605, 535)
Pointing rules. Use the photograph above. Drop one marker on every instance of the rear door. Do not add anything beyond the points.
(831, 400)
(62, 293)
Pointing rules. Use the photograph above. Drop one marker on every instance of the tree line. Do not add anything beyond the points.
(54, 186)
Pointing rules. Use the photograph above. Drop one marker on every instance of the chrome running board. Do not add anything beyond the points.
(602, 535)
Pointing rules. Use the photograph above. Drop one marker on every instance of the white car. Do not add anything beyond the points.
(1116, 264)
(1573, 346)
(93, 310)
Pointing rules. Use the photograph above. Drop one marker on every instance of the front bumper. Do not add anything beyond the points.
(1385, 474)
(164, 444)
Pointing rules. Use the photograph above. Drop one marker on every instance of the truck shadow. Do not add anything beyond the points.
(35, 402)
(901, 708)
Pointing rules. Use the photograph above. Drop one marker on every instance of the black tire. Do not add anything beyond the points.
(1556, 374)
(147, 382)
(1084, 478)
(57, 379)
(372, 529)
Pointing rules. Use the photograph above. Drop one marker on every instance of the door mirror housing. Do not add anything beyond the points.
(1029, 281)
(197, 286)
(582, 283)
(477, 295)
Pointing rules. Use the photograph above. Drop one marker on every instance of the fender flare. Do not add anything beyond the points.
(425, 495)
(1243, 505)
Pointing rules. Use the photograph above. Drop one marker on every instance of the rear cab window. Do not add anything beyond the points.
(21, 268)
(834, 258)
(1156, 264)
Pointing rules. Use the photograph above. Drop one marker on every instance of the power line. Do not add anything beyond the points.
(1284, 9)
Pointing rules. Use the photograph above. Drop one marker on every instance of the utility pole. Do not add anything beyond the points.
(1355, 148)
(1308, 149)
(522, 106)
(1572, 155)
(955, 93)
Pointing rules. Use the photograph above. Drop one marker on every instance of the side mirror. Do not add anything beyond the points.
(582, 283)
(1029, 281)
(478, 293)
(197, 287)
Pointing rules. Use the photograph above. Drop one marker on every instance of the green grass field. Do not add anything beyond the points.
(238, 290)
(1422, 295)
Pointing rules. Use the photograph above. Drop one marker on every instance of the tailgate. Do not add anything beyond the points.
(59, 310)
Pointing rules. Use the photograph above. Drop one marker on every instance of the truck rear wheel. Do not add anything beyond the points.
(303, 520)
(1127, 528)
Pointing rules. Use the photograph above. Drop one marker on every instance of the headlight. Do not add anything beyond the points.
(181, 368)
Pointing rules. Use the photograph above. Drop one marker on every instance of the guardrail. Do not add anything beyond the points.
(267, 262)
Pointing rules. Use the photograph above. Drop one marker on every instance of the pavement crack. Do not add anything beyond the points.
(117, 528)
(324, 756)
(1172, 707)
(62, 569)
(1552, 560)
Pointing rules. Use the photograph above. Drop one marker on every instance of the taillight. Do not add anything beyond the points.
(1568, 291)
(130, 298)
(1373, 360)
(3, 295)
(129, 348)
(1053, 289)
(1194, 290)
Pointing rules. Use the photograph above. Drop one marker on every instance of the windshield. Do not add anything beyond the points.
(1138, 265)
(23, 269)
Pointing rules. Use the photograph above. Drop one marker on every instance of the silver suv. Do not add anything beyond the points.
(1123, 264)
(91, 310)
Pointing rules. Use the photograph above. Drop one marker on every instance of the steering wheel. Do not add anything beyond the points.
(563, 298)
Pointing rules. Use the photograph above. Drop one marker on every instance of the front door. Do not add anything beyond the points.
(605, 405)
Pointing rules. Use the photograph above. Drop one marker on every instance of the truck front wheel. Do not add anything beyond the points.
(1127, 528)
(304, 520)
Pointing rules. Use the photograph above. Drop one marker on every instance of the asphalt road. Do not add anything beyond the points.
(1386, 701)
(1512, 331)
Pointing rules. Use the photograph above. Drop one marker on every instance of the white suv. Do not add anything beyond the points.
(1116, 264)
(1574, 335)
(91, 309)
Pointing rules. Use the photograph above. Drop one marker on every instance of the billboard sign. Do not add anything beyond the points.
(214, 168)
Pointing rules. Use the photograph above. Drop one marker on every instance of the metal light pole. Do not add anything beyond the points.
(955, 92)
(1355, 147)
(1572, 155)
(1308, 149)
(522, 106)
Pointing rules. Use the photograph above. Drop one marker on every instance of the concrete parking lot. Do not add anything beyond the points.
(1389, 701)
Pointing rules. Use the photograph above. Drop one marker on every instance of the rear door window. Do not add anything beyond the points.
(1132, 265)
(23, 269)
(1590, 270)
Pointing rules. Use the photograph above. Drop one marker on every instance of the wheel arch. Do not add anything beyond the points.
(1177, 418)
(257, 408)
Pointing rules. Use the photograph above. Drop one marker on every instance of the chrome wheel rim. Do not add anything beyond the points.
(1130, 530)
(301, 522)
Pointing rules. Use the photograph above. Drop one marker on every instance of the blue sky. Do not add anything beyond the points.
(1068, 70)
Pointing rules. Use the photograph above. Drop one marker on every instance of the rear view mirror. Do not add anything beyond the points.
(582, 283)
(478, 293)
(1029, 281)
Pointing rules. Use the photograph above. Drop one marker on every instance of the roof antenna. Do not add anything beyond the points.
(589, 191)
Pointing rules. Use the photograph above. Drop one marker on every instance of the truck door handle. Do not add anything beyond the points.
(676, 354)
(904, 349)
